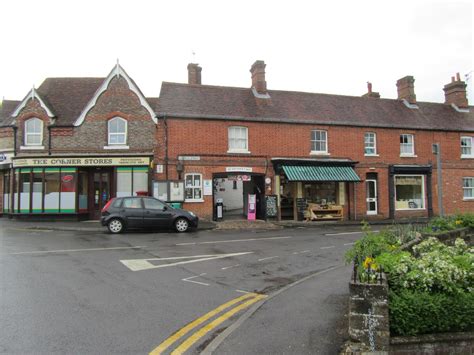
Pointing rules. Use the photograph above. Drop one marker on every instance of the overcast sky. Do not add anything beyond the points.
(326, 47)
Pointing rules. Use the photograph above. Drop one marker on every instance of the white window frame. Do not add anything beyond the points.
(193, 187)
(374, 142)
(409, 154)
(124, 134)
(467, 188)
(470, 145)
(314, 141)
(422, 192)
(27, 134)
(230, 138)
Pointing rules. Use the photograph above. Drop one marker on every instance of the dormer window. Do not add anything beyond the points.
(33, 132)
(117, 128)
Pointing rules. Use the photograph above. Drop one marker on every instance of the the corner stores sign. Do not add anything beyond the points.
(82, 161)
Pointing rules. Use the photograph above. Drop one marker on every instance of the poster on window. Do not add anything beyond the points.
(176, 191)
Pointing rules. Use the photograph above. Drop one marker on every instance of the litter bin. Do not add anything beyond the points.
(219, 208)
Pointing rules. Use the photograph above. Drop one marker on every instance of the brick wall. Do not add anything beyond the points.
(6, 138)
(267, 140)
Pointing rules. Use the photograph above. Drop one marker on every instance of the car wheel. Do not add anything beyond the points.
(181, 225)
(115, 226)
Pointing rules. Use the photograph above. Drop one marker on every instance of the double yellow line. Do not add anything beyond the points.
(249, 298)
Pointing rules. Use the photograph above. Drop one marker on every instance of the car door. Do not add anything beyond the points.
(132, 209)
(156, 213)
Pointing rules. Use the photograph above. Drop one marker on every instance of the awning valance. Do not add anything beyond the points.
(327, 172)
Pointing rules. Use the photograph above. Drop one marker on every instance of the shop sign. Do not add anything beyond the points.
(239, 178)
(67, 178)
(232, 169)
(189, 157)
(5, 158)
(82, 161)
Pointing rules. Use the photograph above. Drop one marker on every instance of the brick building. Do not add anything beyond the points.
(73, 143)
(321, 156)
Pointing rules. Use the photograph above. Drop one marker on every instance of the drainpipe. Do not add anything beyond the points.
(49, 140)
(15, 129)
(166, 146)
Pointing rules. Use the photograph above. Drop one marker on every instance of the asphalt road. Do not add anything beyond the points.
(135, 293)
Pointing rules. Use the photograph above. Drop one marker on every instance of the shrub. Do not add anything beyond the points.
(414, 312)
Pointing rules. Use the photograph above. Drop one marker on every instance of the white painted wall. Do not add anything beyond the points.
(233, 198)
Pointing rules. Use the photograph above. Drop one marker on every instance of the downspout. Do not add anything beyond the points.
(15, 129)
(49, 140)
(166, 146)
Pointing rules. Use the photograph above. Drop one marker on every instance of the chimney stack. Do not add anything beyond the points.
(455, 92)
(406, 89)
(370, 93)
(258, 76)
(194, 74)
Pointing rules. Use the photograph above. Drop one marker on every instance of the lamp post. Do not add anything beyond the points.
(437, 152)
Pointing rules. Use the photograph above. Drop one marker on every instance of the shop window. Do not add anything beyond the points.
(37, 193)
(6, 192)
(319, 142)
(238, 140)
(322, 193)
(409, 192)
(117, 128)
(82, 190)
(51, 190)
(68, 190)
(24, 190)
(33, 132)
(130, 180)
(193, 187)
(466, 147)
(468, 188)
(407, 145)
(370, 141)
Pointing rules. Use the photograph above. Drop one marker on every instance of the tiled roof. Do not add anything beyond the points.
(216, 102)
(7, 108)
(67, 97)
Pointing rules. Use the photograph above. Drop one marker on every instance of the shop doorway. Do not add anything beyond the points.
(99, 192)
(233, 192)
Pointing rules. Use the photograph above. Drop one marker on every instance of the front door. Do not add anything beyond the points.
(100, 191)
(371, 196)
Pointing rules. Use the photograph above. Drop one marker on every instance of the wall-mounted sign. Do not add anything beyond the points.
(233, 169)
(207, 184)
(239, 178)
(5, 158)
(82, 161)
(159, 168)
(189, 157)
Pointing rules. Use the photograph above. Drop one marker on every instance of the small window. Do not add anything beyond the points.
(238, 139)
(33, 132)
(193, 187)
(370, 143)
(468, 188)
(132, 203)
(407, 146)
(466, 147)
(117, 128)
(319, 141)
(152, 204)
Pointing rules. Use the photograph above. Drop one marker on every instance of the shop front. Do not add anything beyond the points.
(313, 190)
(78, 186)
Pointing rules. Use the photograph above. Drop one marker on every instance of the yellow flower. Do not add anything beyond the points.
(458, 222)
(367, 262)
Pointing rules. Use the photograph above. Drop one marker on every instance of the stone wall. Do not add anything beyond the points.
(368, 314)
(446, 343)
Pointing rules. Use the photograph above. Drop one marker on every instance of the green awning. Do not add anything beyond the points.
(320, 173)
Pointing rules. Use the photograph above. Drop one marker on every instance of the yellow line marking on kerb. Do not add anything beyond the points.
(179, 334)
(216, 322)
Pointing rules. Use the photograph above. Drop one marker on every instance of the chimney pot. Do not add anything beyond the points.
(406, 89)
(258, 76)
(194, 74)
(369, 87)
(455, 92)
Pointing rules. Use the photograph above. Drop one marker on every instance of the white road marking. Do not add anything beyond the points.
(332, 246)
(344, 233)
(31, 230)
(196, 282)
(349, 244)
(234, 241)
(74, 250)
(242, 291)
(270, 257)
(229, 267)
(144, 264)
(301, 252)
